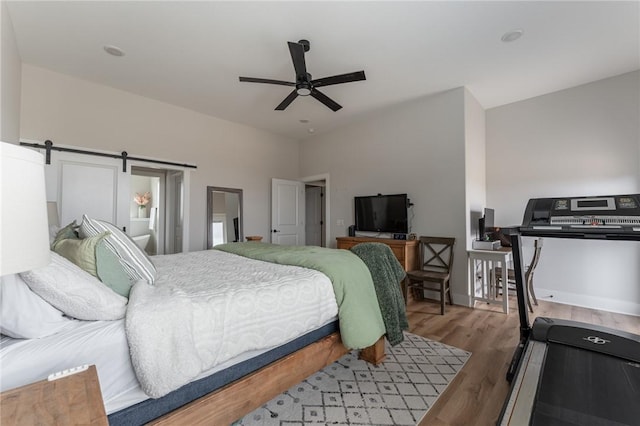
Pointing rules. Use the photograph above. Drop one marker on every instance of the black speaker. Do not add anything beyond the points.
(352, 231)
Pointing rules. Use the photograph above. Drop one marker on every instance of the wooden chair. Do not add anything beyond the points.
(528, 275)
(436, 256)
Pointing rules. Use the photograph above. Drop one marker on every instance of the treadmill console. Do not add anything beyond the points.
(611, 216)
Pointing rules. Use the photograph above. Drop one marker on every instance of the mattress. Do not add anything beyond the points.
(104, 344)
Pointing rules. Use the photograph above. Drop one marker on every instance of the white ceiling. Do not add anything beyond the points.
(191, 53)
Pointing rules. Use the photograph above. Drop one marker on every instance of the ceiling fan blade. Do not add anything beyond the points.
(287, 101)
(338, 79)
(334, 106)
(266, 80)
(297, 56)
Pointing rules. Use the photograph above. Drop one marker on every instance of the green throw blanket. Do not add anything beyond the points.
(361, 323)
(387, 274)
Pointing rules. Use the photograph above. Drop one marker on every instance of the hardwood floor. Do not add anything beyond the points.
(478, 392)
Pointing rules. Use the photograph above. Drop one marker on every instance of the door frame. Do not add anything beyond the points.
(162, 206)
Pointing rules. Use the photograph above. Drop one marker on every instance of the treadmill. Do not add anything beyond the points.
(567, 372)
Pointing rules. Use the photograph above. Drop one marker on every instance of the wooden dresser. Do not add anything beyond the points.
(405, 250)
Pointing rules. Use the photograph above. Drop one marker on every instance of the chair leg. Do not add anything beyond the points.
(442, 296)
(449, 292)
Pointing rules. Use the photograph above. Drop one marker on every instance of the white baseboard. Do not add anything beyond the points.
(600, 303)
(565, 298)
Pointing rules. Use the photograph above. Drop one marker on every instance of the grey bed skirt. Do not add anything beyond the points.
(150, 409)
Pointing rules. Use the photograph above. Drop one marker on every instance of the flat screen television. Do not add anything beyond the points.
(382, 213)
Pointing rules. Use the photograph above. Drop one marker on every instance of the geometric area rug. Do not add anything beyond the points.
(350, 391)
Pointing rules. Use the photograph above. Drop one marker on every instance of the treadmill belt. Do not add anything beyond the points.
(582, 387)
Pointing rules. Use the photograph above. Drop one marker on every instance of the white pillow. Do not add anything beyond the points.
(134, 260)
(24, 314)
(74, 291)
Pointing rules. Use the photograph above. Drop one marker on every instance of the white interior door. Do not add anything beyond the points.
(287, 212)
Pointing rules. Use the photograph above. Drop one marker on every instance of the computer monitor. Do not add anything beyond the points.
(486, 224)
(489, 215)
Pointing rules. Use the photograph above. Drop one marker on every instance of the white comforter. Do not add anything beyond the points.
(207, 307)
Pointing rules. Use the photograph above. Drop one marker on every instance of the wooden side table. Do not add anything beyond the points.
(70, 400)
(257, 238)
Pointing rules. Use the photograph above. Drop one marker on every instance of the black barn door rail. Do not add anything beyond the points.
(124, 156)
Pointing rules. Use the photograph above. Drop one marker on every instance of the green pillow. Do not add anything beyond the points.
(68, 232)
(111, 271)
(80, 252)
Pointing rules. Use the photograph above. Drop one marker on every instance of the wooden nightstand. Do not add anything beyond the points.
(71, 400)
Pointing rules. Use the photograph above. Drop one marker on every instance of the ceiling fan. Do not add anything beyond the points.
(304, 85)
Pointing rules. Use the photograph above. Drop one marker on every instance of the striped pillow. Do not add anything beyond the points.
(134, 260)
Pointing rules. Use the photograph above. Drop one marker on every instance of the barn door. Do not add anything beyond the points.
(94, 186)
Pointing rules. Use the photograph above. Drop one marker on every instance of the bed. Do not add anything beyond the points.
(151, 364)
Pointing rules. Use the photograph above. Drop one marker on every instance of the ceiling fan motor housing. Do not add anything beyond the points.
(304, 84)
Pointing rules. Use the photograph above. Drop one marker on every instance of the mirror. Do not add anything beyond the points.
(224, 215)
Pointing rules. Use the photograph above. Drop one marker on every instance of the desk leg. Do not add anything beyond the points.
(505, 287)
(486, 284)
(472, 281)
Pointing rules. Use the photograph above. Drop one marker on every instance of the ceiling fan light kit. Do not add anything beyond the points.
(303, 88)
(304, 84)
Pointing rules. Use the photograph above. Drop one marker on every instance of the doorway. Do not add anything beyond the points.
(314, 212)
(320, 202)
(156, 210)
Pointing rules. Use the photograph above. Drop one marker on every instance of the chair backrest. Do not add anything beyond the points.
(436, 253)
(537, 245)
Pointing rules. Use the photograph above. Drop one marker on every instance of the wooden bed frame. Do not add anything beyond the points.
(232, 402)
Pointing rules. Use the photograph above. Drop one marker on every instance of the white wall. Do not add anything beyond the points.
(416, 147)
(10, 76)
(579, 141)
(74, 112)
(475, 170)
